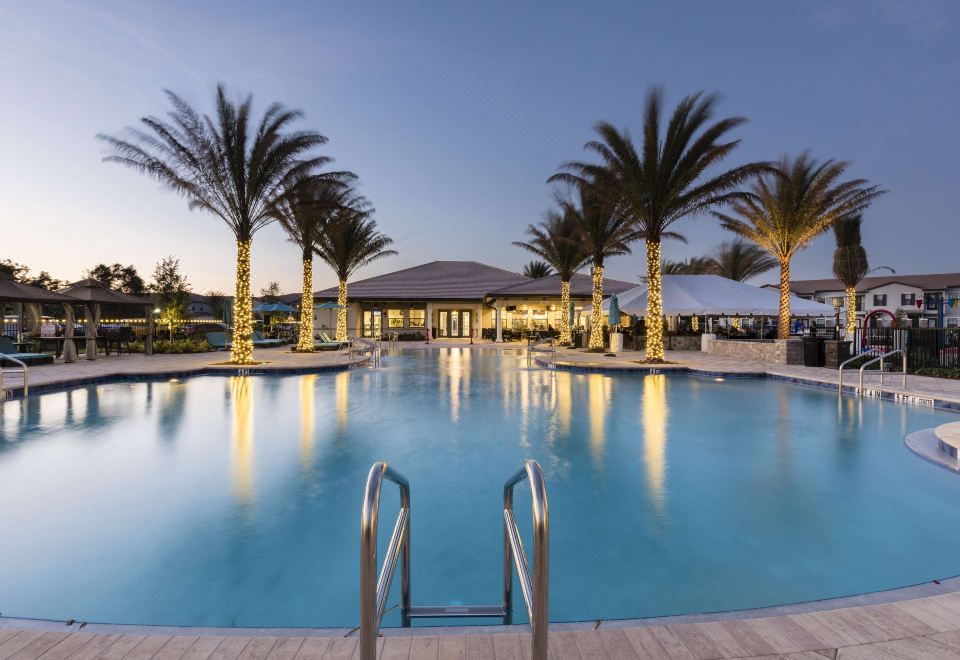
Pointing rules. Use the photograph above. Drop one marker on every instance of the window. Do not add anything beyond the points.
(908, 299)
(952, 321)
(394, 318)
(879, 300)
(860, 303)
(418, 318)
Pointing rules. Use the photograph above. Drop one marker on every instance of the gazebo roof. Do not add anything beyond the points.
(92, 291)
(12, 291)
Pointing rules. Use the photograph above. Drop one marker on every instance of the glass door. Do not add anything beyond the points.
(466, 324)
(454, 324)
(444, 316)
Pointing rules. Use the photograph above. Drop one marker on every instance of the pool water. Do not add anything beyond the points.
(235, 501)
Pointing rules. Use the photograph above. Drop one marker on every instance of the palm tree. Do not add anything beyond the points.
(349, 241)
(226, 166)
(691, 266)
(850, 263)
(665, 180)
(303, 212)
(739, 260)
(791, 206)
(603, 232)
(556, 241)
(537, 269)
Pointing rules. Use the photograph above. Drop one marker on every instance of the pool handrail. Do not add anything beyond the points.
(547, 346)
(23, 366)
(374, 589)
(867, 352)
(534, 588)
(880, 358)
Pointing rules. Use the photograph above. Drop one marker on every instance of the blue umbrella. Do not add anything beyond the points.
(613, 316)
(267, 308)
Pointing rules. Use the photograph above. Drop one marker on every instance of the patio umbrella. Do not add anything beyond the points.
(269, 308)
(613, 315)
(228, 310)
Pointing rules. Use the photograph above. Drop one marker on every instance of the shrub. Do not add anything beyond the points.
(175, 346)
(938, 372)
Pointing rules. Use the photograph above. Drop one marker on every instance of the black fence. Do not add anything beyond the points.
(925, 348)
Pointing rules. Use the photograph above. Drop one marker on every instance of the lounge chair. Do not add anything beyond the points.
(7, 348)
(219, 340)
(261, 342)
(326, 343)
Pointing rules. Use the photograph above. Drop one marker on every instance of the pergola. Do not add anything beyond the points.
(29, 299)
(93, 294)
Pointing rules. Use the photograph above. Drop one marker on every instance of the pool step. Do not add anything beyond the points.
(445, 611)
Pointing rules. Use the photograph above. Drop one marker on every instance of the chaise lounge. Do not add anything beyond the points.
(262, 342)
(8, 349)
(219, 340)
(326, 343)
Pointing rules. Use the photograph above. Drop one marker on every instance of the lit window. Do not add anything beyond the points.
(418, 318)
(394, 318)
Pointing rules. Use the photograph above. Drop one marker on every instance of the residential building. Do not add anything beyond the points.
(918, 296)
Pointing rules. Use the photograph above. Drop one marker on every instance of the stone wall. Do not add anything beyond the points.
(681, 343)
(778, 351)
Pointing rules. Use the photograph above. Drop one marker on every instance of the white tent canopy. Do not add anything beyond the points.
(712, 295)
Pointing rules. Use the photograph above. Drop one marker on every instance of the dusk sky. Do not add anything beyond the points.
(455, 114)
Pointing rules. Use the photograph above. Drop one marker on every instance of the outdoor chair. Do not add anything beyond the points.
(218, 340)
(7, 348)
(261, 342)
(326, 343)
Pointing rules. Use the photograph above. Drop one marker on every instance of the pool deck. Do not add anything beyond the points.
(918, 622)
(280, 359)
(926, 627)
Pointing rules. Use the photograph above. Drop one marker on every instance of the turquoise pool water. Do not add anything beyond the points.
(235, 501)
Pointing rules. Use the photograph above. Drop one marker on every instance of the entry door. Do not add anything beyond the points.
(465, 324)
(454, 324)
(444, 323)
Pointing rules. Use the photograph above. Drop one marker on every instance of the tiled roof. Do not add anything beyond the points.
(437, 280)
(580, 286)
(927, 282)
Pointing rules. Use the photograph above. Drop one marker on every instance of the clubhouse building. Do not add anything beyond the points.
(456, 299)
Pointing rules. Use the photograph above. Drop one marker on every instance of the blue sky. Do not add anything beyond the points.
(454, 115)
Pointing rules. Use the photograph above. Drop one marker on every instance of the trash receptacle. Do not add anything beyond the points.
(814, 352)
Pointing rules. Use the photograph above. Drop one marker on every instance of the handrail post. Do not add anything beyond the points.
(536, 590)
(371, 608)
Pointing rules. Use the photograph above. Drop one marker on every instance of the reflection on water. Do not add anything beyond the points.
(241, 390)
(342, 390)
(307, 391)
(655, 413)
(598, 388)
(563, 381)
(455, 369)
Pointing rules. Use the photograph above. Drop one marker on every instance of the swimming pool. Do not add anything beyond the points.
(235, 501)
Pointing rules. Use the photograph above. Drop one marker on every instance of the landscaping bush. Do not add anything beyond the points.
(175, 346)
(938, 372)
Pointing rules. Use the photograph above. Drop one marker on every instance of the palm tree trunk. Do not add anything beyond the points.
(851, 309)
(342, 311)
(783, 324)
(565, 312)
(305, 340)
(596, 316)
(654, 320)
(242, 350)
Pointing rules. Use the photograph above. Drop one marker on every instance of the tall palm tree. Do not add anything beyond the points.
(691, 266)
(537, 269)
(791, 206)
(603, 232)
(349, 241)
(850, 263)
(665, 180)
(303, 212)
(228, 167)
(556, 240)
(739, 260)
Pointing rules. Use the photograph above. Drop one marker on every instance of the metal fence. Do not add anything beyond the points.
(924, 347)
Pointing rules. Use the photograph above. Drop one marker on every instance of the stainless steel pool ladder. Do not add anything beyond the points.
(374, 589)
(23, 366)
(879, 357)
(546, 346)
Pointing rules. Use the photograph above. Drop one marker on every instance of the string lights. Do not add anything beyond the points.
(596, 321)
(783, 321)
(851, 308)
(654, 304)
(242, 349)
(342, 311)
(305, 339)
(695, 323)
(565, 313)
